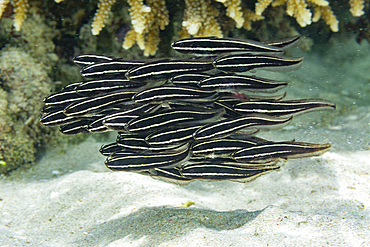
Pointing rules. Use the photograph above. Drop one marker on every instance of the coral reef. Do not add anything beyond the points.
(200, 17)
(27, 62)
(24, 83)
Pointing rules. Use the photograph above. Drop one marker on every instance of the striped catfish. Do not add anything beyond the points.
(210, 46)
(281, 150)
(165, 69)
(228, 126)
(146, 160)
(283, 108)
(247, 62)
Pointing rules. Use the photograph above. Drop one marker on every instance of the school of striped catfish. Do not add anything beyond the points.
(183, 120)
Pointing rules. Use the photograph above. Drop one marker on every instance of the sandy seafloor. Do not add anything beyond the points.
(70, 199)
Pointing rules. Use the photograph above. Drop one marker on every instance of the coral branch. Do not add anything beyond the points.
(249, 17)
(101, 15)
(3, 5)
(299, 9)
(146, 21)
(200, 19)
(261, 5)
(234, 11)
(327, 15)
(357, 7)
(20, 10)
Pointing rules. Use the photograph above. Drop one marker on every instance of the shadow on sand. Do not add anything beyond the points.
(161, 224)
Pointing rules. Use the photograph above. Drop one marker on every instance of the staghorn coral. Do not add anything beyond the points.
(357, 7)
(20, 10)
(250, 17)
(146, 21)
(200, 19)
(299, 10)
(3, 5)
(101, 15)
(234, 11)
(327, 15)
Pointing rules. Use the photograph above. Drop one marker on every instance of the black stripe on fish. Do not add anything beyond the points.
(94, 87)
(63, 98)
(283, 108)
(229, 111)
(232, 98)
(188, 79)
(97, 125)
(56, 118)
(118, 122)
(172, 175)
(246, 62)
(228, 160)
(98, 102)
(213, 46)
(222, 171)
(139, 144)
(226, 127)
(167, 118)
(220, 146)
(161, 70)
(110, 148)
(248, 83)
(167, 93)
(71, 86)
(170, 136)
(283, 43)
(77, 127)
(89, 59)
(47, 109)
(283, 150)
(109, 69)
(146, 160)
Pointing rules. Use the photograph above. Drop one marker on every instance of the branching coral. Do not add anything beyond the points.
(3, 5)
(234, 11)
(20, 10)
(200, 19)
(101, 15)
(327, 15)
(250, 17)
(299, 9)
(357, 7)
(146, 21)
